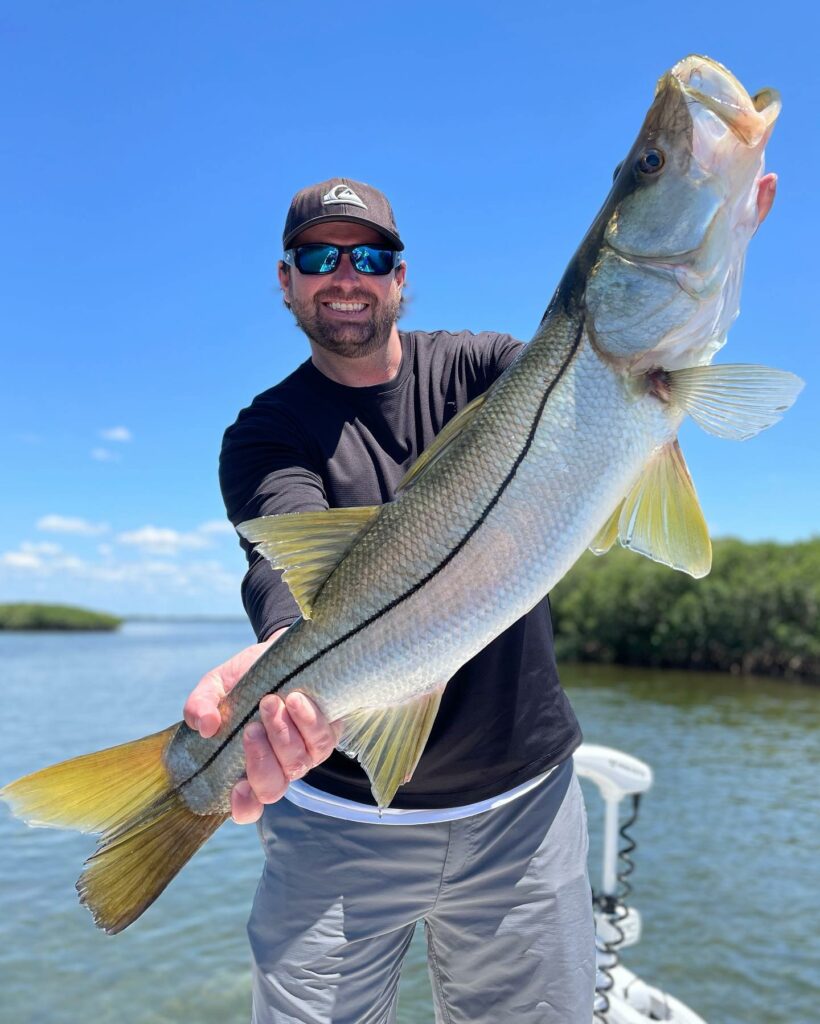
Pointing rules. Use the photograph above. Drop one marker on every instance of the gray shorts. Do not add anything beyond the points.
(504, 896)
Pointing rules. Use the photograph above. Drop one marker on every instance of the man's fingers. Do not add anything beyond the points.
(245, 808)
(201, 710)
(265, 774)
(318, 735)
(202, 714)
(205, 721)
(285, 738)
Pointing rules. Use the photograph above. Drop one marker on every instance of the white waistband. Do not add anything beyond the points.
(311, 799)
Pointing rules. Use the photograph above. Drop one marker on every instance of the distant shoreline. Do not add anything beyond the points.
(32, 617)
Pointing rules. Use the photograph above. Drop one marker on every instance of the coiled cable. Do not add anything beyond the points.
(613, 906)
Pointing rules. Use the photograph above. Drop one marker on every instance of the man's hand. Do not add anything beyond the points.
(292, 736)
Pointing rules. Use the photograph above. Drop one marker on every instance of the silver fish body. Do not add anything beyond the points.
(574, 446)
(489, 528)
(463, 554)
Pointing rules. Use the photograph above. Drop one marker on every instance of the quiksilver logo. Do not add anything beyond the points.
(342, 194)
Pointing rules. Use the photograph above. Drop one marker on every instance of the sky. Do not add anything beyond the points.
(148, 154)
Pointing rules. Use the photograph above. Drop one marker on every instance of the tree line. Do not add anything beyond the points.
(758, 611)
(33, 616)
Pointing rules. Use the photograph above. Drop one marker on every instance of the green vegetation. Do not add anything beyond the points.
(54, 616)
(758, 611)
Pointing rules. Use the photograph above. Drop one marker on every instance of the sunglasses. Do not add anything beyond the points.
(323, 258)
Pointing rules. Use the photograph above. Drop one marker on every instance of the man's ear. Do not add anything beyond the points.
(401, 274)
(284, 281)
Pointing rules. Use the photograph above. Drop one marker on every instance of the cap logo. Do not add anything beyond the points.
(342, 194)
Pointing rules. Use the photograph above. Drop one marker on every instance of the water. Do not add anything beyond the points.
(727, 861)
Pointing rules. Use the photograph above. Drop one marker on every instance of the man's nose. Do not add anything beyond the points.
(346, 271)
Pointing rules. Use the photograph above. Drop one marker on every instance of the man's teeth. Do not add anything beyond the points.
(348, 307)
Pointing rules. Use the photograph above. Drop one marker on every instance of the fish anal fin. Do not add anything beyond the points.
(733, 401)
(608, 534)
(388, 742)
(308, 545)
(661, 516)
(446, 436)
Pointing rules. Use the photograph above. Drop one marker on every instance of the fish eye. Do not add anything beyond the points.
(651, 161)
(617, 170)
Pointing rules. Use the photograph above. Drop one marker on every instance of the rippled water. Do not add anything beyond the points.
(727, 862)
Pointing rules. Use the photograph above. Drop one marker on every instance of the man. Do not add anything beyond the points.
(491, 846)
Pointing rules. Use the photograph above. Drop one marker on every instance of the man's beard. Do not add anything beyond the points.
(353, 340)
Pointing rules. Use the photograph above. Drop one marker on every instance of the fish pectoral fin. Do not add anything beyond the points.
(446, 436)
(388, 742)
(734, 401)
(661, 516)
(308, 545)
(608, 534)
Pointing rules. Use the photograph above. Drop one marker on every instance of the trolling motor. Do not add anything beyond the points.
(620, 996)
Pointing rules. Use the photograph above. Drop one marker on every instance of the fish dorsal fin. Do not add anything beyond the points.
(661, 517)
(308, 545)
(446, 436)
(608, 534)
(388, 742)
(734, 401)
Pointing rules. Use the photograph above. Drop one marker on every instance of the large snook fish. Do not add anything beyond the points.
(574, 446)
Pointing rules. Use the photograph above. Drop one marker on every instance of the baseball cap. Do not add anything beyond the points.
(341, 199)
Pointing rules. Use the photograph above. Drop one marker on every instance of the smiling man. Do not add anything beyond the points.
(487, 842)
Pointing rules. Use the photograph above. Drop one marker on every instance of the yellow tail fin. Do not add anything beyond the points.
(147, 832)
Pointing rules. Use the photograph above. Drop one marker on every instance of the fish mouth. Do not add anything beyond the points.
(709, 83)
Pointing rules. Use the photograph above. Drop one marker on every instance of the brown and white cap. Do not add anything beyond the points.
(341, 199)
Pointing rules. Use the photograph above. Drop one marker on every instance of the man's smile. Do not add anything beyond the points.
(347, 309)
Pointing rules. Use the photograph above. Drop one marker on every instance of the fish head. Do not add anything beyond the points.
(663, 262)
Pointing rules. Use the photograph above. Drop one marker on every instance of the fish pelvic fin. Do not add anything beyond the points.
(661, 516)
(608, 534)
(733, 401)
(308, 545)
(388, 742)
(124, 793)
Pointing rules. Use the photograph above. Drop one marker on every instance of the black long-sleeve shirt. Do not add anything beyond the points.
(308, 444)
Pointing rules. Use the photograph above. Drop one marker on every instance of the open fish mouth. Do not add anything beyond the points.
(709, 83)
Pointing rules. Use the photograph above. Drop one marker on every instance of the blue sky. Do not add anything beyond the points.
(149, 152)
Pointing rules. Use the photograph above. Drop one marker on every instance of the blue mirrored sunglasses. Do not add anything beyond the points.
(321, 258)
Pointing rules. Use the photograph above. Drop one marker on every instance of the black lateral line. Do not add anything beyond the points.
(416, 586)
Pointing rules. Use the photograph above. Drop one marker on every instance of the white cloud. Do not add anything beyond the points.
(104, 455)
(70, 563)
(21, 560)
(147, 568)
(122, 434)
(42, 559)
(71, 524)
(163, 540)
(43, 547)
(148, 584)
(216, 526)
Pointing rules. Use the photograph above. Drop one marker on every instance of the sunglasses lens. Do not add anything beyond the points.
(368, 260)
(317, 259)
(322, 258)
